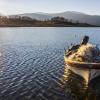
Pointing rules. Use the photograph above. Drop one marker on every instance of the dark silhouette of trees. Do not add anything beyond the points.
(27, 21)
(58, 19)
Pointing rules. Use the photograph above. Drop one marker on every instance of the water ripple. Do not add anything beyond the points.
(29, 73)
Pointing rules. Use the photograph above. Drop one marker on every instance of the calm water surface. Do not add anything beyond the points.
(32, 64)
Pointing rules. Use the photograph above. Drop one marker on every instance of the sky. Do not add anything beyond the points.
(9, 7)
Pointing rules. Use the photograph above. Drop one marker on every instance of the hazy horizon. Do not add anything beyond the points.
(11, 7)
(51, 13)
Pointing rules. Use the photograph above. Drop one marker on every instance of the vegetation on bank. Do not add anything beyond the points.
(29, 22)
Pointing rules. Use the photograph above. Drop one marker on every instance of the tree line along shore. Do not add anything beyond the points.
(29, 22)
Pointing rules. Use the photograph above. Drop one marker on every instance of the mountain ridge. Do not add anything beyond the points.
(70, 15)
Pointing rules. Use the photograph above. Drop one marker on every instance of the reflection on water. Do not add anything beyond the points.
(75, 84)
(78, 86)
(32, 65)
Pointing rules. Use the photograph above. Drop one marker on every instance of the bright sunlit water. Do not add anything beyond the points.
(32, 64)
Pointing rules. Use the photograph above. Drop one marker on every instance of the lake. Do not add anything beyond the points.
(32, 64)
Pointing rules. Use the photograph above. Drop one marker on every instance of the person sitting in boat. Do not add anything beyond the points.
(84, 52)
(74, 48)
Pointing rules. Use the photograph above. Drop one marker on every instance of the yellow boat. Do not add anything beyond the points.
(88, 71)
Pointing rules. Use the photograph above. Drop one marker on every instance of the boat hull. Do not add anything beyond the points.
(87, 71)
(87, 74)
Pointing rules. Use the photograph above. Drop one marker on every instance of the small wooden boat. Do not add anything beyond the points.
(88, 71)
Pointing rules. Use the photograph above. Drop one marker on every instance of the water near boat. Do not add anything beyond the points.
(32, 64)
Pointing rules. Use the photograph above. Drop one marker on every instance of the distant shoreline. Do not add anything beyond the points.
(47, 26)
(29, 22)
(57, 25)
